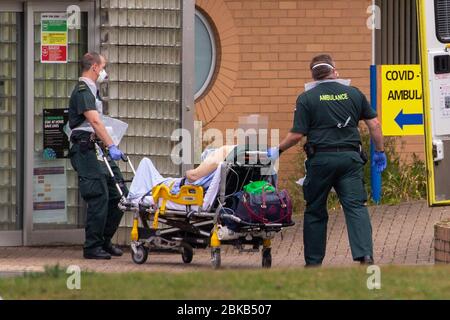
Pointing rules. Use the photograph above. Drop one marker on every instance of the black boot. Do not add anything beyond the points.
(366, 260)
(313, 265)
(96, 253)
(113, 250)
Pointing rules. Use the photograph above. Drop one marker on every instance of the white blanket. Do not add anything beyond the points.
(147, 176)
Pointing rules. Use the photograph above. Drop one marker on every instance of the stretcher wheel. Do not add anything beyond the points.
(140, 256)
(266, 258)
(187, 252)
(215, 258)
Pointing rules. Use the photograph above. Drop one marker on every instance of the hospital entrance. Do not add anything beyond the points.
(41, 44)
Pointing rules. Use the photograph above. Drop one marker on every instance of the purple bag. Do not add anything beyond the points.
(269, 207)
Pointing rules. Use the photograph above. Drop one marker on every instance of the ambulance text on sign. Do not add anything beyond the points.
(401, 101)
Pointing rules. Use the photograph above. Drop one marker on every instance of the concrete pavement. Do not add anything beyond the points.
(402, 234)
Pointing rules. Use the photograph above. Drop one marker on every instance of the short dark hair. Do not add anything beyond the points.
(322, 71)
(89, 59)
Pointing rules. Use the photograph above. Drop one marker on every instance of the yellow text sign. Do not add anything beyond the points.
(401, 100)
(56, 38)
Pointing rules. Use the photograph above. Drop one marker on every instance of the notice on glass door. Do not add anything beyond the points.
(56, 143)
(54, 38)
(50, 191)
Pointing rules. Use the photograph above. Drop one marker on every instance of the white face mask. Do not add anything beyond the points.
(102, 76)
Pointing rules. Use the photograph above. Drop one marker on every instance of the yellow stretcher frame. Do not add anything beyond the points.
(423, 53)
(188, 195)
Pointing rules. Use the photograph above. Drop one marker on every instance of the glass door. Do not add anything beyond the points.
(54, 210)
(11, 109)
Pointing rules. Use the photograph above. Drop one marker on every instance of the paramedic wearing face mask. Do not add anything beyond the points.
(328, 113)
(96, 186)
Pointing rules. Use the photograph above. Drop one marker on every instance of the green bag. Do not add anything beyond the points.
(256, 187)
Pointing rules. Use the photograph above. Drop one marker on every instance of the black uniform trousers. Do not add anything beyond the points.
(344, 172)
(98, 190)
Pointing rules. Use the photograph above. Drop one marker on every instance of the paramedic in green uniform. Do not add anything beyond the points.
(328, 115)
(96, 186)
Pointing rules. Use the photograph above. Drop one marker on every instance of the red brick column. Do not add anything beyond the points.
(442, 241)
(266, 47)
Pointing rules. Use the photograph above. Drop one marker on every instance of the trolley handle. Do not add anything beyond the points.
(126, 158)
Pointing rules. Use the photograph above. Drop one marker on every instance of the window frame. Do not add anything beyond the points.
(212, 68)
(438, 34)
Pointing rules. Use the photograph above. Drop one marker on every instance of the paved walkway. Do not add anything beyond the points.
(402, 234)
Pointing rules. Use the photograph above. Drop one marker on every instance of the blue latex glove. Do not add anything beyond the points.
(273, 153)
(114, 152)
(379, 161)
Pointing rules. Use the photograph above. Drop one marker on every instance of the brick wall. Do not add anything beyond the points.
(266, 49)
(406, 146)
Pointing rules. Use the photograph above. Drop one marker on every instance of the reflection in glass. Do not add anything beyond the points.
(53, 84)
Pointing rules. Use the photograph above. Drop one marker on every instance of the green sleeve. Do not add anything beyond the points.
(367, 112)
(85, 101)
(301, 118)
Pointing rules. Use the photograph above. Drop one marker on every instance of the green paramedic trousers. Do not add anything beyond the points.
(98, 190)
(344, 172)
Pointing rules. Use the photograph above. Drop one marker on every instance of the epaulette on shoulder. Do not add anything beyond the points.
(82, 87)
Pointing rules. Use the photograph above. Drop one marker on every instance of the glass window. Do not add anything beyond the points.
(442, 8)
(144, 87)
(56, 201)
(205, 53)
(10, 48)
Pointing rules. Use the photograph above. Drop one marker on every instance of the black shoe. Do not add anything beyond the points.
(313, 265)
(96, 253)
(366, 260)
(113, 250)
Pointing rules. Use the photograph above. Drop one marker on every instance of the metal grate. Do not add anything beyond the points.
(442, 11)
(397, 40)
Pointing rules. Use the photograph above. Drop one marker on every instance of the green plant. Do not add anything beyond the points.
(403, 180)
(54, 271)
(295, 190)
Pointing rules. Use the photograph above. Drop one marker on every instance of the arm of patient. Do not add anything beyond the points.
(210, 164)
(203, 174)
(203, 182)
(205, 168)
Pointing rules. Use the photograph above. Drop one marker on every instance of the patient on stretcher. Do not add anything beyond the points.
(147, 176)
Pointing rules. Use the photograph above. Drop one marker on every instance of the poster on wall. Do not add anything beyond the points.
(50, 191)
(56, 143)
(53, 38)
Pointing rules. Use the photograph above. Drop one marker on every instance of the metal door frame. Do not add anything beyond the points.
(430, 45)
(187, 76)
(30, 236)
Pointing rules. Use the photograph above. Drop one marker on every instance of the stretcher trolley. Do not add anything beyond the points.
(198, 218)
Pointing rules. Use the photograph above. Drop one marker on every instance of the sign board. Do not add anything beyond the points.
(54, 38)
(401, 100)
(50, 191)
(56, 143)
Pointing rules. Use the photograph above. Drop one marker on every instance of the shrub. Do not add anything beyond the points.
(403, 180)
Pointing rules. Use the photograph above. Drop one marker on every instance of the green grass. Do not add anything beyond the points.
(397, 282)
